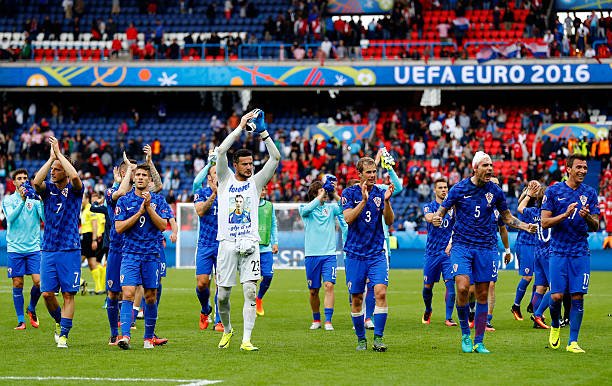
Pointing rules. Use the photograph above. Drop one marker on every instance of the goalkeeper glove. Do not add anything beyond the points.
(212, 156)
(258, 123)
(329, 180)
(387, 160)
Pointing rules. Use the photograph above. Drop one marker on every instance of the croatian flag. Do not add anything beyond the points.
(494, 52)
(485, 54)
(462, 23)
(538, 50)
(509, 51)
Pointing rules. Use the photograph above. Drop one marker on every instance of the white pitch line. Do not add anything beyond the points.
(183, 382)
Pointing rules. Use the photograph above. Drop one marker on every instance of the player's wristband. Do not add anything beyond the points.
(116, 185)
(507, 251)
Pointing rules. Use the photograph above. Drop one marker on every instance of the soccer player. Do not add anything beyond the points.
(140, 216)
(239, 242)
(524, 246)
(268, 246)
(474, 250)
(319, 217)
(364, 207)
(206, 253)
(437, 262)
(60, 265)
(23, 216)
(122, 185)
(90, 228)
(206, 206)
(387, 162)
(541, 298)
(570, 208)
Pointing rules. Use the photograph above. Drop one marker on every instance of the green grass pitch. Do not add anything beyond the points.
(292, 354)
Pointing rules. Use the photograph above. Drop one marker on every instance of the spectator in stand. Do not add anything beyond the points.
(443, 27)
(298, 51)
(176, 179)
(582, 35)
(508, 18)
(131, 35)
(589, 52)
(227, 9)
(116, 8)
(116, 46)
(158, 36)
(419, 149)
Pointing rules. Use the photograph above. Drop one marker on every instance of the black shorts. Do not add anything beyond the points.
(86, 250)
(101, 252)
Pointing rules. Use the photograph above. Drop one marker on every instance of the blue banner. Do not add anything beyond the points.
(172, 76)
(577, 130)
(583, 5)
(341, 132)
(359, 7)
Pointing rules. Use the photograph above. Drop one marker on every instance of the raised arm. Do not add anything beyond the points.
(266, 173)
(222, 163)
(306, 210)
(126, 182)
(397, 183)
(155, 178)
(39, 179)
(532, 190)
(70, 171)
(200, 178)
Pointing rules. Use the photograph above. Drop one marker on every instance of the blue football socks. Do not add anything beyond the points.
(18, 302)
(264, 286)
(520, 291)
(480, 321)
(150, 318)
(111, 311)
(449, 298)
(576, 314)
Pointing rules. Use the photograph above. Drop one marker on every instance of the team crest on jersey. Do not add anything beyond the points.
(455, 267)
(110, 283)
(426, 210)
(377, 201)
(489, 197)
(451, 213)
(544, 199)
(153, 205)
(29, 205)
(343, 200)
(195, 198)
(117, 210)
(583, 200)
(65, 192)
(325, 212)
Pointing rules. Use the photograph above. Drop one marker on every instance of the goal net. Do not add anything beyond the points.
(290, 237)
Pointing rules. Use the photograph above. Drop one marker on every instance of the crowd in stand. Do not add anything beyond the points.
(309, 33)
(427, 144)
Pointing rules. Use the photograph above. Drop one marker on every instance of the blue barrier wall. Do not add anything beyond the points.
(408, 255)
